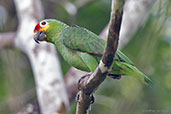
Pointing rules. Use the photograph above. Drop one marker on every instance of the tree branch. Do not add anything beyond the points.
(88, 84)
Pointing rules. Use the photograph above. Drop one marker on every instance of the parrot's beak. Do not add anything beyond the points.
(39, 36)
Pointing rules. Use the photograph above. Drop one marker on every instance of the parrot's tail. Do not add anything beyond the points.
(137, 73)
(144, 78)
(131, 70)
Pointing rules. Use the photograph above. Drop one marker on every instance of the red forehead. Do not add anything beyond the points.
(37, 28)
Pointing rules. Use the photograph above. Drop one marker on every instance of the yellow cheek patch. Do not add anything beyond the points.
(44, 28)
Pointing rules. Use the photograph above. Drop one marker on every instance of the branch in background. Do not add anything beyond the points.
(135, 14)
(89, 84)
(30, 109)
(7, 40)
(104, 32)
(51, 92)
(71, 80)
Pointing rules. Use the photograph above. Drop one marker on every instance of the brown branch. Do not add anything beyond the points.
(88, 84)
(7, 40)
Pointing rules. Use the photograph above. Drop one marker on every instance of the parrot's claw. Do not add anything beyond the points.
(82, 81)
(92, 99)
(81, 84)
(77, 96)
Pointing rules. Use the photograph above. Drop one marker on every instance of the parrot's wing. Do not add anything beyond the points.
(81, 39)
(122, 57)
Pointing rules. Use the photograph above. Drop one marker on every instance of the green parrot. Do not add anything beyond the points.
(83, 49)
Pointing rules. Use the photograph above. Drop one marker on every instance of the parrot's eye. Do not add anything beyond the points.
(43, 23)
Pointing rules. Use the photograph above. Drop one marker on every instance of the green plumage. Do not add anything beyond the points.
(83, 49)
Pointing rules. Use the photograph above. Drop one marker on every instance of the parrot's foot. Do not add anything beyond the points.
(82, 81)
(92, 99)
(114, 76)
(81, 85)
(77, 96)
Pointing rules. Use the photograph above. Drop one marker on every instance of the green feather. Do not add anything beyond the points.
(77, 46)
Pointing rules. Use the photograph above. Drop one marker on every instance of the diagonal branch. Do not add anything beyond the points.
(89, 84)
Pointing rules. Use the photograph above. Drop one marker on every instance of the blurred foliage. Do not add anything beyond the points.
(96, 12)
(149, 49)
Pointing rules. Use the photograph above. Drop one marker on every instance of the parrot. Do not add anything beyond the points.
(83, 49)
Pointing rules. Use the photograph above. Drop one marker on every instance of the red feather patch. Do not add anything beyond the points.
(95, 52)
(37, 28)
